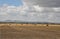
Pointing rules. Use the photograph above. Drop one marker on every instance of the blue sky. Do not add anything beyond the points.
(11, 2)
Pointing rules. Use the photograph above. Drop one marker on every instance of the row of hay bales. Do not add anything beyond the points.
(22, 24)
(53, 24)
(29, 24)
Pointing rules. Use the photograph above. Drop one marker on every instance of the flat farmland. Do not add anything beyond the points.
(29, 32)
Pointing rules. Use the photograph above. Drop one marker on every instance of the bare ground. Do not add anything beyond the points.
(29, 32)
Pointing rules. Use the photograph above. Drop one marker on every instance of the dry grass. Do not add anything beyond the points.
(18, 31)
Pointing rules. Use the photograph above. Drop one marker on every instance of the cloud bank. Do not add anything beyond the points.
(32, 11)
(44, 3)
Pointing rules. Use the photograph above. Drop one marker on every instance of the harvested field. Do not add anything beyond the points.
(29, 32)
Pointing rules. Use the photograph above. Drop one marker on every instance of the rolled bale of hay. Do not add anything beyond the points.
(12, 24)
(24, 24)
(40, 24)
(6, 24)
(2, 24)
(30, 24)
(19, 25)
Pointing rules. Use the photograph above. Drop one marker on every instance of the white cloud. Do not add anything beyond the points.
(44, 3)
(29, 12)
(38, 8)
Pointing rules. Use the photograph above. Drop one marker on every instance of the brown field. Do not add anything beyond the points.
(29, 31)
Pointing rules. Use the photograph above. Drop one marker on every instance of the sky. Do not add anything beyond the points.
(11, 2)
(30, 10)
